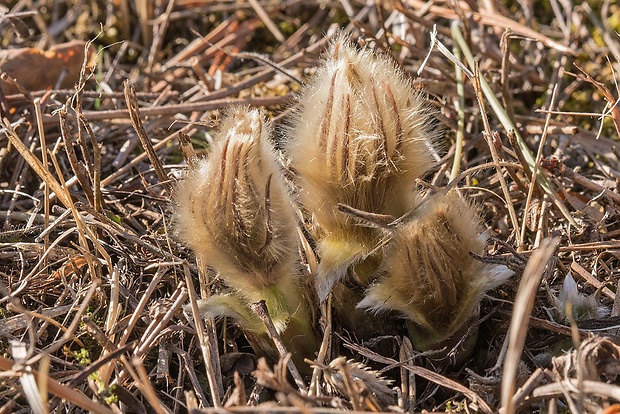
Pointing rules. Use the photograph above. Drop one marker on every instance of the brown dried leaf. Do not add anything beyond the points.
(71, 267)
(45, 69)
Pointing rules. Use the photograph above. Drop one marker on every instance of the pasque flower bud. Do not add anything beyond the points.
(428, 274)
(361, 138)
(234, 211)
(581, 306)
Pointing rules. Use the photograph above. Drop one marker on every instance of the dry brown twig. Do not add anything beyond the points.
(524, 303)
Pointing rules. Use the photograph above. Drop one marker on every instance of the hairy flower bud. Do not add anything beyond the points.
(428, 274)
(234, 211)
(361, 138)
(581, 306)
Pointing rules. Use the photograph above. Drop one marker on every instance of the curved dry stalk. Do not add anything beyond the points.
(524, 302)
(509, 126)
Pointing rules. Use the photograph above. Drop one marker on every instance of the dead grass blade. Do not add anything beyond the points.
(34, 162)
(560, 388)
(510, 127)
(27, 380)
(490, 138)
(143, 382)
(541, 145)
(78, 167)
(68, 334)
(15, 306)
(151, 334)
(46, 188)
(136, 121)
(208, 346)
(56, 388)
(407, 379)
(264, 16)
(524, 302)
(559, 168)
(493, 19)
(424, 373)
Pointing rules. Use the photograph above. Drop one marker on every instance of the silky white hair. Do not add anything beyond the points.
(361, 138)
(428, 274)
(234, 210)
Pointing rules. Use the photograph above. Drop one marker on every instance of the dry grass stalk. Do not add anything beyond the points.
(524, 303)
(207, 344)
(136, 121)
(98, 244)
(424, 373)
(62, 391)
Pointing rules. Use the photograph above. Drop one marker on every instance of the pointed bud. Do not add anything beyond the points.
(582, 306)
(234, 211)
(428, 274)
(361, 138)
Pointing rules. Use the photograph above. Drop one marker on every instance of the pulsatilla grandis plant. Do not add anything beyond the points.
(360, 138)
(234, 210)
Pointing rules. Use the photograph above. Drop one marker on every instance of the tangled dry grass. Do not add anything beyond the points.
(94, 282)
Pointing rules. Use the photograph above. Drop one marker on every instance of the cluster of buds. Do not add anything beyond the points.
(360, 139)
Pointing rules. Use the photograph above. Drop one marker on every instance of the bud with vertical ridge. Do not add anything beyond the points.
(234, 210)
(429, 276)
(361, 138)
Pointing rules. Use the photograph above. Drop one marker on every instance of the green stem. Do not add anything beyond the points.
(509, 125)
(460, 132)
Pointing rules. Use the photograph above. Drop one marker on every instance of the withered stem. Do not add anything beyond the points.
(260, 309)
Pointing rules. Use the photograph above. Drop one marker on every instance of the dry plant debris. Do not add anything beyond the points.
(100, 300)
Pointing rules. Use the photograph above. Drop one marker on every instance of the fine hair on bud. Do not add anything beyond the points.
(234, 211)
(571, 304)
(361, 138)
(428, 274)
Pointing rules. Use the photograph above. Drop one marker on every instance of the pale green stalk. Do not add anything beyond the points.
(509, 125)
(460, 132)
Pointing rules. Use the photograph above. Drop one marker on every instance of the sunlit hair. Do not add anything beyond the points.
(428, 274)
(361, 138)
(234, 211)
